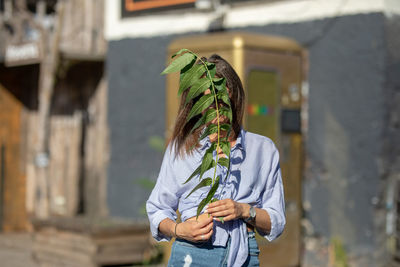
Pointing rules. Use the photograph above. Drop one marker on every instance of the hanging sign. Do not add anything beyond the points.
(22, 54)
(134, 7)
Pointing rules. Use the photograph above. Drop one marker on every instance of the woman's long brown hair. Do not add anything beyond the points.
(182, 139)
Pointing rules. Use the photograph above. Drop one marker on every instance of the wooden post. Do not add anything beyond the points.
(48, 69)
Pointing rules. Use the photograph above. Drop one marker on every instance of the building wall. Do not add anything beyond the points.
(346, 111)
(353, 91)
(136, 112)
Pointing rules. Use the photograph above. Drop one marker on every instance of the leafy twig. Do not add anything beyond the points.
(192, 79)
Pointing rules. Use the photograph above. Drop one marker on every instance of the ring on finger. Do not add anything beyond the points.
(202, 237)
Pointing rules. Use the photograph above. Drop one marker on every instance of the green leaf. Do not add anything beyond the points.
(180, 63)
(190, 77)
(226, 147)
(208, 198)
(206, 118)
(227, 112)
(228, 133)
(218, 80)
(203, 183)
(211, 68)
(224, 97)
(220, 84)
(212, 128)
(225, 127)
(199, 87)
(203, 103)
(196, 171)
(180, 52)
(146, 183)
(207, 159)
(223, 162)
(211, 165)
(227, 173)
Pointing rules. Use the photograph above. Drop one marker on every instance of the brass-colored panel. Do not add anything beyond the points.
(263, 103)
(231, 40)
(285, 251)
(287, 65)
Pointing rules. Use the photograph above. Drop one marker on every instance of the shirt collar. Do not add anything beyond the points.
(240, 140)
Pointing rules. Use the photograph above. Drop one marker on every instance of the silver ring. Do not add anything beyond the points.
(202, 237)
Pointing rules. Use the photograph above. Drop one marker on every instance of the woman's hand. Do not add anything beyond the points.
(227, 209)
(196, 230)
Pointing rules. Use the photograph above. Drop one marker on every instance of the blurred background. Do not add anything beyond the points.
(85, 117)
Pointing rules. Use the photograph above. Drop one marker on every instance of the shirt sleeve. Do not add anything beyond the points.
(273, 200)
(163, 200)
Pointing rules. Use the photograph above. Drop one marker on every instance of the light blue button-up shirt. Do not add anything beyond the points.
(255, 178)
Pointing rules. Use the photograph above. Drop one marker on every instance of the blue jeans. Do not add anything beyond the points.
(186, 254)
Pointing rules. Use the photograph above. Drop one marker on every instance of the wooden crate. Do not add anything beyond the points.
(88, 242)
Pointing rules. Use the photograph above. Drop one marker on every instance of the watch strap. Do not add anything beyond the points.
(252, 213)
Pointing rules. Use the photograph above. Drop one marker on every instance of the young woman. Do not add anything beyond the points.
(250, 198)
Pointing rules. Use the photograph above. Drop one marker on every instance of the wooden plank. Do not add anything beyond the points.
(115, 240)
(52, 260)
(64, 167)
(97, 153)
(103, 259)
(54, 246)
(47, 76)
(14, 211)
(31, 124)
(66, 242)
(60, 252)
(84, 21)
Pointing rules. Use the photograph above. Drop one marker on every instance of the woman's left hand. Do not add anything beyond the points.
(227, 209)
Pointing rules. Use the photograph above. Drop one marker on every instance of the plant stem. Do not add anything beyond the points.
(216, 107)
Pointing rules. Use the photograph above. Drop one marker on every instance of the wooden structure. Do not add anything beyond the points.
(54, 136)
(91, 243)
(53, 125)
(272, 71)
(15, 104)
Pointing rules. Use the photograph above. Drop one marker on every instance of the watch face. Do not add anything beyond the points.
(252, 212)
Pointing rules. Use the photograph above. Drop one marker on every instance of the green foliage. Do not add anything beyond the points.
(206, 118)
(190, 77)
(340, 255)
(157, 143)
(209, 196)
(204, 102)
(146, 183)
(196, 76)
(205, 182)
(180, 63)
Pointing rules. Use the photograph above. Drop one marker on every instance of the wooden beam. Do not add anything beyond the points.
(47, 76)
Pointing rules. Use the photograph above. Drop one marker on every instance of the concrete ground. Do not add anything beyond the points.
(15, 250)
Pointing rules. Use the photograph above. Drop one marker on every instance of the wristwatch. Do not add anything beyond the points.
(252, 216)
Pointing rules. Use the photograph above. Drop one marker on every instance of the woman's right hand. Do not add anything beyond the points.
(196, 230)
